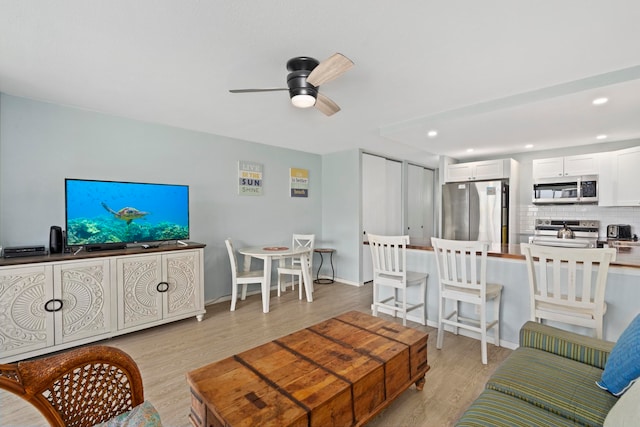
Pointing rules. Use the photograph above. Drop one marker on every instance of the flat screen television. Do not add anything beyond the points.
(111, 214)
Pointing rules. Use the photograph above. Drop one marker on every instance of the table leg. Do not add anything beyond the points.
(333, 271)
(319, 268)
(306, 276)
(266, 288)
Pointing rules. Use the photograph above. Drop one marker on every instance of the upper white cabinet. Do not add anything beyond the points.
(619, 178)
(566, 166)
(627, 176)
(478, 171)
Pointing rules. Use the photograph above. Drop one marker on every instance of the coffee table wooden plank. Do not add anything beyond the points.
(364, 373)
(393, 354)
(324, 395)
(416, 340)
(245, 399)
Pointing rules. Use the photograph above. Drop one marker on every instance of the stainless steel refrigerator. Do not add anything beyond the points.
(476, 211)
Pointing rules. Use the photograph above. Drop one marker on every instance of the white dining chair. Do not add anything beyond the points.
(241, 277)
(462, 272)
(562, 292)
(389, 255)
(292, 266)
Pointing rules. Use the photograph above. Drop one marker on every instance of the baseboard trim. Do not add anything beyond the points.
(463, 332)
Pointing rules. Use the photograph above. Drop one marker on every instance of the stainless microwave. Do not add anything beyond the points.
(566, 190)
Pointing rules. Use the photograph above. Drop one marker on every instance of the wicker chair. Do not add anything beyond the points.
(81, 387)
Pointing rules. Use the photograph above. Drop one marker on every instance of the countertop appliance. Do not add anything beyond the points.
(566, 190)
(619, 231)
(476, 211)
(585, 233)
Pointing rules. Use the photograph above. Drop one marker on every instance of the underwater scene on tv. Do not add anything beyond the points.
(99, 212)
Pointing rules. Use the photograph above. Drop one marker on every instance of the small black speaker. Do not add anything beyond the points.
(55, 240)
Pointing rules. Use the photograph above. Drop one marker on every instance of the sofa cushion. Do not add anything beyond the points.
(493, 408)
(143, 415)
(554, 383)
(571, 345)
(623, 365)
(625, 413)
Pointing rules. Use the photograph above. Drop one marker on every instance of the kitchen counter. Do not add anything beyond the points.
(627, 256)
(506, 266)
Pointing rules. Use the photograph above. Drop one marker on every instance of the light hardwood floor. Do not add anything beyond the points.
(165, 353)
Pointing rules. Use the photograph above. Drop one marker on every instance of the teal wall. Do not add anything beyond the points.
(41, 144)
(341, 215)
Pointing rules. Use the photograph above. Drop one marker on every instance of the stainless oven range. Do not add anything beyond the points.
(548, 231)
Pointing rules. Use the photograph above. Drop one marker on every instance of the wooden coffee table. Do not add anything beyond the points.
(339, 372)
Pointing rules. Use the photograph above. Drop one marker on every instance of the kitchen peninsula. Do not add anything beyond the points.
(506, 266)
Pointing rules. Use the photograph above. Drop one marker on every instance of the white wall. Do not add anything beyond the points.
(41, 144)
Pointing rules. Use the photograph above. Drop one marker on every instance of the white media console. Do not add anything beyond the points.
(54, 302)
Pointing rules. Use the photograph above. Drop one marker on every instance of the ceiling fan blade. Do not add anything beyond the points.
(329, 69)
(258, 90)
(326, 106)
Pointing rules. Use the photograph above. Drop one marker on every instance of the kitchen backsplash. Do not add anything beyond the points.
(606, 216)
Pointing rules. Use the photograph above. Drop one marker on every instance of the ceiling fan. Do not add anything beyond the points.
(305, 76)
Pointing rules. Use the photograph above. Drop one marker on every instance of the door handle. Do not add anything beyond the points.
(48, 305)
(162, 287)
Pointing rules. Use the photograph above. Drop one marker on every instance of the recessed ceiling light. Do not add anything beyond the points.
(528, 146)
(600, 101)
(469, 150)
(432, 133)
(601, 136)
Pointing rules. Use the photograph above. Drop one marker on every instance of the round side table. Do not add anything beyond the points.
(323, 251)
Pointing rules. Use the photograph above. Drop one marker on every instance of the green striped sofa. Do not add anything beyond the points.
(550, 380)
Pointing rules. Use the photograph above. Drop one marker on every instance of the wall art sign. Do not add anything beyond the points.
(299, 182)
(249, 178)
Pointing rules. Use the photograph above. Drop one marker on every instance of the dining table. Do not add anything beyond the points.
(270, 253)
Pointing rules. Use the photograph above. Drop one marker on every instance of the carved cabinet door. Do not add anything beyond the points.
(140, 290)
(182, 273)
(26, 307)
(83, 287)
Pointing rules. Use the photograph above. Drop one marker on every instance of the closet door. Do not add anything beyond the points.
(381, 203)
(420, 187)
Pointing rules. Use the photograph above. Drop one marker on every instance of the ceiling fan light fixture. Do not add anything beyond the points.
(303, 101)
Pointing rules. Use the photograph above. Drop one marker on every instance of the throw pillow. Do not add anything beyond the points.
(143, 415)
(623, 365)
(626, 411)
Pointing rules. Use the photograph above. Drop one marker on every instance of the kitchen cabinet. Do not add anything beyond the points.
(566, 166)
(619, 178)
(54, 302)
(478, 171)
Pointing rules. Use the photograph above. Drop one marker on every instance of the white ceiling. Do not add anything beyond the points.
(491, 75)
